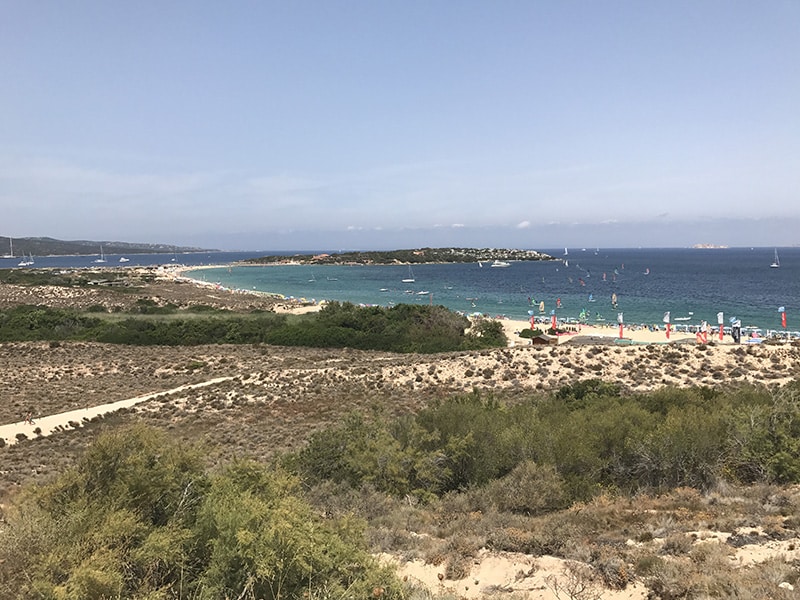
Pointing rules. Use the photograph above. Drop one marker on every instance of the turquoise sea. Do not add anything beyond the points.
(692, 284)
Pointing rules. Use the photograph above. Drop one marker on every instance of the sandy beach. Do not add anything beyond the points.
(609, 333)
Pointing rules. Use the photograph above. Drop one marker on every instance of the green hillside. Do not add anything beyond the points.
(45, 246)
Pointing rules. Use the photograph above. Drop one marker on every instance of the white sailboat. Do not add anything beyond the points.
(775, 263)
(102, 257)
(410, 278)
(11, 249)
(26, 261)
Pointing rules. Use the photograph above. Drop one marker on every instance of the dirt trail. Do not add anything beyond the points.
(48, 425)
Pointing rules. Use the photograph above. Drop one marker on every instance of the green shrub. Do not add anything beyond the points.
(588, 389)
(486, 333)
(140, 517)
(529, 489)
(263, 539)
(402, 328)
(148, 306)
(531, 333)
(42, 323)
(585, 440)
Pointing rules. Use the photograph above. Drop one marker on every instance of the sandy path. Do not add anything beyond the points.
(54, 423)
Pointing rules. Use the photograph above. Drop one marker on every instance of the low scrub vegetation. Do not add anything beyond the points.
(550, 451)
(616, 484)
(402, 328)
(140, 517)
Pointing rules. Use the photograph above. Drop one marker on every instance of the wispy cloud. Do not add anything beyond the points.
(411, 197)
(68, 179)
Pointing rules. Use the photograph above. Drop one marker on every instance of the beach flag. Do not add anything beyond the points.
(619, 320)
(553, 321)
(720, 322)
(666, 320)
(782, 310)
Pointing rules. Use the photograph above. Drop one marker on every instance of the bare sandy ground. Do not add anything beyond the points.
(502, 574)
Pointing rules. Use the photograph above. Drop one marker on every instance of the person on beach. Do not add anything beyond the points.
(736, 330)
(702, 335)
(29, 418)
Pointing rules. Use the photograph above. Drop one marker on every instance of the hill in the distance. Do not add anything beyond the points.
(45, 246)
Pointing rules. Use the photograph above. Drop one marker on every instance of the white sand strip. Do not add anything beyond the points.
(49, 424)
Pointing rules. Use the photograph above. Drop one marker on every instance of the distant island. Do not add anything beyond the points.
(46, 246)
(415, 256)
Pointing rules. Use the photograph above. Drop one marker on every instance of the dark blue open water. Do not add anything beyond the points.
(688, 282)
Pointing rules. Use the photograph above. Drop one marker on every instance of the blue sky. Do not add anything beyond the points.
(362, 124)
